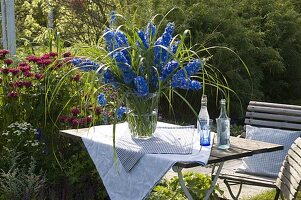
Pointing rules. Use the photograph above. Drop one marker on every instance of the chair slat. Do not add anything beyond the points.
(286, 177)
(293, 163)
(282, 111)
(295, 156)
(296, 149)
(284, 181)
(273, 117)
(287, 167)
(273, 124)
(275, 105)
(289, 177)
(298, 142)
(286, 193)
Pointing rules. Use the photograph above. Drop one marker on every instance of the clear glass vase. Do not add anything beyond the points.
(142, 114)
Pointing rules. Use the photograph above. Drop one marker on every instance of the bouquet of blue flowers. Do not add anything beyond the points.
(143, 64)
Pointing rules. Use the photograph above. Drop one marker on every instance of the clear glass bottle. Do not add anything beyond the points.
(203, 123)
(223, 127)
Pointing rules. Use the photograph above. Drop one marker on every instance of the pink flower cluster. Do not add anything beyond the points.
(20, 84)
(16, 76)
(12, 95)
(43, 60)
(8, 61)
(75, 120)
(3, 53)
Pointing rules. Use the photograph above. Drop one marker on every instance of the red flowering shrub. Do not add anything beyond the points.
(8, 61)
(30, 83)
(49, 93)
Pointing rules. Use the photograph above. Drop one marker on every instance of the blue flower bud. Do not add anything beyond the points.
(195, 85)
(150, 31)
(128, 77)
(120, 111)
(170, 27)
(141, 86)
(109, 37)
(113, 17)
(108, 76)
(143, 39)
(76, 61)
(121, 61)
(193, 67)
(180, 82)
(102, 99)
(169, 68)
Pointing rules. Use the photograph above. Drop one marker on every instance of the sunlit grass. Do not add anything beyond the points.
(269, 195)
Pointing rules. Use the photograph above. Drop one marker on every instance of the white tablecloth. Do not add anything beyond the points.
(137, 183)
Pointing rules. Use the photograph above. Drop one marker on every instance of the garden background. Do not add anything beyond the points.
(266, 34)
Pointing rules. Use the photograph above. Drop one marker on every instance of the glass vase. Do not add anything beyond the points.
(142, 114)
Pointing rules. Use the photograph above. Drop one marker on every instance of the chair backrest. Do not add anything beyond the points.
(281, 116)
(289, 177)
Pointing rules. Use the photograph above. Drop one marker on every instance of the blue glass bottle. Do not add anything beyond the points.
(223, 127)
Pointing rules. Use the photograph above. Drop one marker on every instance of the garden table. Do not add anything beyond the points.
(240, 148)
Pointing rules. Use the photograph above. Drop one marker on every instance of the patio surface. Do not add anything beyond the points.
(247, 191)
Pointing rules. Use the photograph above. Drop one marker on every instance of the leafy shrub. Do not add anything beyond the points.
(196, 183)
(22, 137)
(21, 181)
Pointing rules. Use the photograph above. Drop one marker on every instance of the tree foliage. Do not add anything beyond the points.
(264, 33)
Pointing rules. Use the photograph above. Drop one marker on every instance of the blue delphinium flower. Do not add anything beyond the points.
(141, 86)
(168, 69)
(108, 76)
(160, 53)
(113, 17)
(102, 99)
(181, 79)
(182, 83)
(174, 47)
(86, 65)
(190, 69)
(195, 85)
(143, 39)
(76, 61)
(166, 38)
(122, 41)
(121, 61)
(117, 39)
(150, 31)
(120, 111)
(157, 52)
(170, 27)
(185, 83)
(128, 77)
(193, 67)
(109, 37)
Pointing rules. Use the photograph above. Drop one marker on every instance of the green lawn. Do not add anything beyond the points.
(269, 195)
